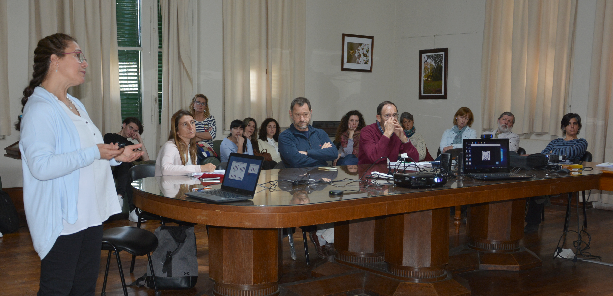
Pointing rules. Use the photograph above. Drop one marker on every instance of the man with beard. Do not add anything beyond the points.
(302, 145)
(505, 125)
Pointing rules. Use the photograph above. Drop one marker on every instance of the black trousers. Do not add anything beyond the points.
(72, 265)
(536, 205)
(121, 174)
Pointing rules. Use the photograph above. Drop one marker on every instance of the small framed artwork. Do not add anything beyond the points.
(357, 53)
(433, 73)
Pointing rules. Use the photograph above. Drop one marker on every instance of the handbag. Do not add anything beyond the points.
(204, 151)
(264, 153)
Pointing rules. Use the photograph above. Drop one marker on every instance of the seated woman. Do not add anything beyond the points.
(235, 142)
(348, 138)
(462, 121)
(570, 146)
(406, 119)
(268, 139)
(178, 155)
(251, 133)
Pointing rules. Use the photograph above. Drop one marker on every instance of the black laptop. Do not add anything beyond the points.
(239, 182)
(488, 159)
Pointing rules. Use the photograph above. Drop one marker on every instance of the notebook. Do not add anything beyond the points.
(488, 159)
(239, 181)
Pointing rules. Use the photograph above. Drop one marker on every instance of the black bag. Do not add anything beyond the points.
(9, 220)
(531, 162)
(174, 261)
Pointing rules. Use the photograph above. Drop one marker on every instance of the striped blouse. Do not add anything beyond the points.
(573, 149)
(208, 123)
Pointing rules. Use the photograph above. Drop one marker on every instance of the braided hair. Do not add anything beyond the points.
(50, 45)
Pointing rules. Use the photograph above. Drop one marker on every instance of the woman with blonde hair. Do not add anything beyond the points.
(206, 127)
(462, 121)
(178, 155)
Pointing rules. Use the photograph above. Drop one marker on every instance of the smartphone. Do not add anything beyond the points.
(122, 145)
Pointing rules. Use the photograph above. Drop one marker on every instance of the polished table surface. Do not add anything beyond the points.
(414, 261)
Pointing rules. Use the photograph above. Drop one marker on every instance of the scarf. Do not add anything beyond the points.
(410, 132)
(458, 134)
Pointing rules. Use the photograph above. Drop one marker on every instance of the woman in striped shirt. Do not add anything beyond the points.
(206, 127)
(569, 146)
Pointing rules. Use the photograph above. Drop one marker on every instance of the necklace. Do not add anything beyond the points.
(69, 101)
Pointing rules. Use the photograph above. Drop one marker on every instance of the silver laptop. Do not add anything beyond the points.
(488, 159)
(239, 182)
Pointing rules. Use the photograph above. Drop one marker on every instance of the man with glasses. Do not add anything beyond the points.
(385, 139)
(302, 145)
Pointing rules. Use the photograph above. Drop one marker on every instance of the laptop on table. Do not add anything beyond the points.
(488, 159)
(239, 182)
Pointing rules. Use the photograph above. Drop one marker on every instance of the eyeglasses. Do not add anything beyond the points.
(80, 56)
(200, 103)
(388, 116)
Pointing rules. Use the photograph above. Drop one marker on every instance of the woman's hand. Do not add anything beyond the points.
(209, 167)
(130, 153)
(109, 151)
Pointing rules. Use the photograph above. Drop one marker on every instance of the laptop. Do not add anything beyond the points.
(239, 182)
(488, 159)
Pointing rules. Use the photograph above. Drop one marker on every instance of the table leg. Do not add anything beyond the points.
(244, 261)
(494, 230)
(359, 241)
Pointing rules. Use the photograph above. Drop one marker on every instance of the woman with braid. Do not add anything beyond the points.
(68, 188)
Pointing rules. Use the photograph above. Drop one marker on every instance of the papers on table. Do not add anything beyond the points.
(409, 166)
(605, 164)
(212, 174)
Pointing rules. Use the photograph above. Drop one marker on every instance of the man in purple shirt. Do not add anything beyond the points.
(385, 139)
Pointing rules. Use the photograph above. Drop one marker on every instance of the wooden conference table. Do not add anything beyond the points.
(389, 240)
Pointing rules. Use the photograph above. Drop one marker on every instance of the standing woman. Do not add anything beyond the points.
(178, 155)
(462, 121)
(206, 128)
(348, 137)
(68, 188)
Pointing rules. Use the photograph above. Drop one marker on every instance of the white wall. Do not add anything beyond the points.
(400, 27)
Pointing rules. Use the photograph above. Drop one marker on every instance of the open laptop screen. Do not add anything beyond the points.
(486, 156)
(242, 173)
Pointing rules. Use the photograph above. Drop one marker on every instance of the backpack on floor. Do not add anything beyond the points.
(9, 219)
(174, 261)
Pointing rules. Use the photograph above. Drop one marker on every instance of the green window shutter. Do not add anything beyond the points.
(128, 36)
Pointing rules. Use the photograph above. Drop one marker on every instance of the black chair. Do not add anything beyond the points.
(138, 172)
(290, 236)
(521, 151)
(135, 241)
(587, 157)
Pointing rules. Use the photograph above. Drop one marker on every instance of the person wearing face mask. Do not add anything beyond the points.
(348, 138)
(236, 142)
(385, 139)
(505, 125)
(302, 145)
(462, 121)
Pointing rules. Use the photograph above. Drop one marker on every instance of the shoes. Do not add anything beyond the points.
(320, 249)
(0, 234)
(133, 216)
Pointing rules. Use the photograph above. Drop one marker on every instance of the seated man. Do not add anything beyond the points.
(385, 139)
(302, 145)
(131, 128)
(505, 125)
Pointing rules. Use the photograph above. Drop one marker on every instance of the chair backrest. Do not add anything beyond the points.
(521, 151)
(216, 145)
(587, 157)
(142, 171)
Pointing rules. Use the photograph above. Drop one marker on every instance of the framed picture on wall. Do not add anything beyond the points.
(357, 53)
(433, 73)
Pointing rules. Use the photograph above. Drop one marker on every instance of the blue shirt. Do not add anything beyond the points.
(228, 147)
(292, 140)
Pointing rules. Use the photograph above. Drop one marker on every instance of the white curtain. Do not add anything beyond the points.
(93, 24)
(526, 62)
(264, 52)
(600, 97)
(177, 76)
(5, 115)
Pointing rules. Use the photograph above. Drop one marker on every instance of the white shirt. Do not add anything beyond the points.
(513, 138)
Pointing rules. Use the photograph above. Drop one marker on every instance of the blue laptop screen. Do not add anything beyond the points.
(242, 172)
